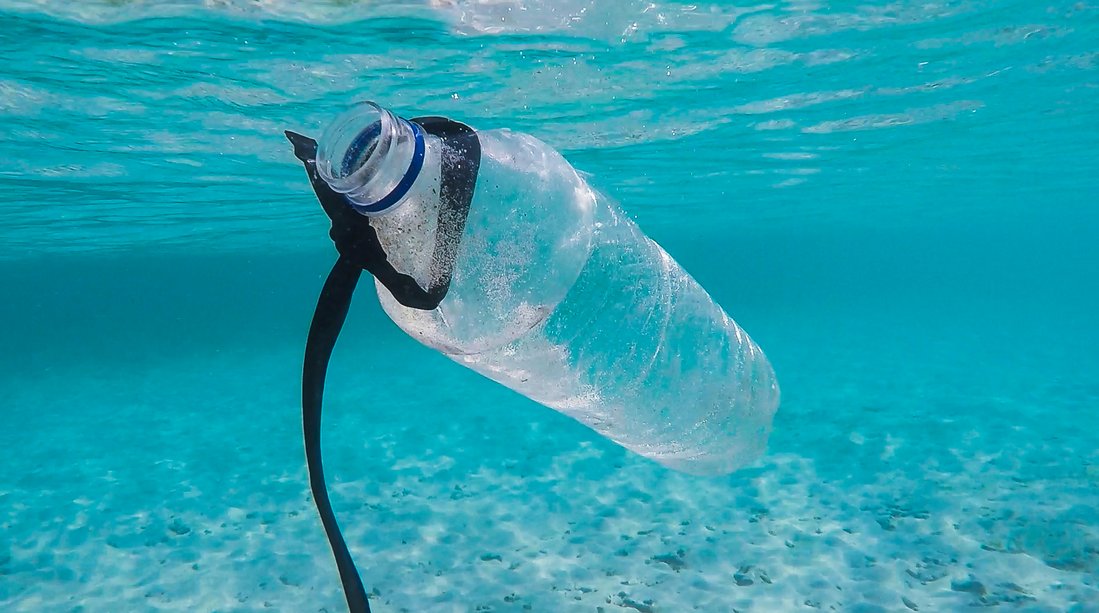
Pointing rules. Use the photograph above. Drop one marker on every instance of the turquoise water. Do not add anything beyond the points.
(899, 201)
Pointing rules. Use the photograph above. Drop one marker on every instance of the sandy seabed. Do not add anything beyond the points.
(180, 485)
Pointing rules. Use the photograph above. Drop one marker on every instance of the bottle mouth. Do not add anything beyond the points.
(371, 156)
(358, 152)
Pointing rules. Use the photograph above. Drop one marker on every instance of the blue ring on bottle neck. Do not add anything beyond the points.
(367, 137)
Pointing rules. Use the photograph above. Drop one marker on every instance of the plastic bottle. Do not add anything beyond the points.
(559, 296)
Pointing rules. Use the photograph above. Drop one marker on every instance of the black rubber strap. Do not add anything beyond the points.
(359, 248)
(332, 306)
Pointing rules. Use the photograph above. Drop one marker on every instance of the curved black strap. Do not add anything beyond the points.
(327, 322)
(359, 248)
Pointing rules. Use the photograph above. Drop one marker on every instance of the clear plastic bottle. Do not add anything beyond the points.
(559, 296)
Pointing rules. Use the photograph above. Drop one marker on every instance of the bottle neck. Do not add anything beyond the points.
(373, 157)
